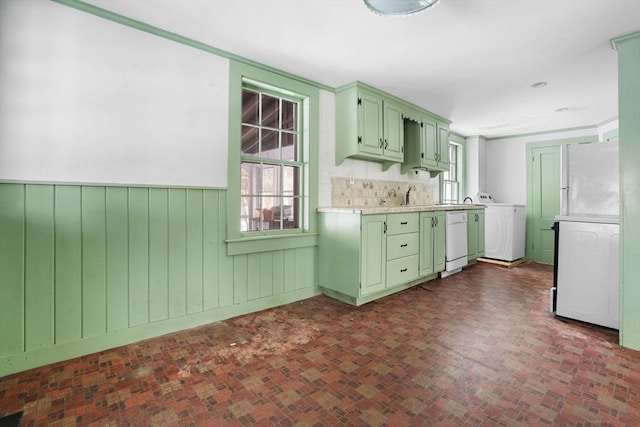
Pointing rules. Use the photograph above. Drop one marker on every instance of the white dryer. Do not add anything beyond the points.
(504, 229)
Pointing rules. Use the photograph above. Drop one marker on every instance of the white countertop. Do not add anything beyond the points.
(400, 209)
(600, 219)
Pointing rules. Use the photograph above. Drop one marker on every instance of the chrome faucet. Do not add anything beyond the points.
(406, 202)
(465, 199)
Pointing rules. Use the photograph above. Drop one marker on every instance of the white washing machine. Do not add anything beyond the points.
(504, 229)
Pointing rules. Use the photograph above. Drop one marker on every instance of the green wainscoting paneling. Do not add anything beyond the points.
(84, 268)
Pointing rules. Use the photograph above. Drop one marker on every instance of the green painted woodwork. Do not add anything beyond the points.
(84, 268)
(432, 242)
(543, 195)
(12, 271)
(369, 125)
(475, 234)
(393, 130)
(426, 144)
(546, 195)
(439, 247)
(238, 74)
(373, 256)
(365, 257)
(38, 285)
(628, 48)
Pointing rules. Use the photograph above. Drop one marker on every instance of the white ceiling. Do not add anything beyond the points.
(472, 61)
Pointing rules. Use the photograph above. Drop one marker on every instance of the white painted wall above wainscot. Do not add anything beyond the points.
(506, 163)
(359, 169)
(86, 100)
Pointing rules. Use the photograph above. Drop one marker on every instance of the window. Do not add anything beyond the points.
(452, 178)
(273, 161)
(271, 166)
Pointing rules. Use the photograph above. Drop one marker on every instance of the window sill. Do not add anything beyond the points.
(254, 244)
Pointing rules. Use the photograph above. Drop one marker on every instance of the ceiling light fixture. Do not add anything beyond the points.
(398, 7)
(539, 85)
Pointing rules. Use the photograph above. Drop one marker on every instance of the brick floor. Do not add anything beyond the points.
(476, 348)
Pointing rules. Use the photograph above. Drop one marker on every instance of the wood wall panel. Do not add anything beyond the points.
(68, 264)
(39, 271)
(81, 265)
(94, 261)
(117, 262)
(12, 231)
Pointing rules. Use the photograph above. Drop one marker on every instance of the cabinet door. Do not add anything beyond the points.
(480, 251)
(443, 147)
(370, 124)
(373, 254)
(439, 242)
(429, 141)
(472, 235)
(426, 243)
(393, 131)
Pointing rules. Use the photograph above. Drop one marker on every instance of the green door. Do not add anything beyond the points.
(545, 185)
(373, 254)
(370, 123)
(426, 243)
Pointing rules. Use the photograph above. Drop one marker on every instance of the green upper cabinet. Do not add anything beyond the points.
(427, 144)
(369, 125)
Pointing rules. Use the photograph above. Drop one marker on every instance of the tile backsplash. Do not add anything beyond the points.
(347, 193)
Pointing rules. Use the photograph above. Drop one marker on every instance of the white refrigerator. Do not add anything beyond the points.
(586, 277)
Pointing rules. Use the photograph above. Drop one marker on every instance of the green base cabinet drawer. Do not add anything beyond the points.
(401, 223)
(402, 245)
(402, 270)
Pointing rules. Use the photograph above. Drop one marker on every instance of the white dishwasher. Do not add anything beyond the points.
(456, 242)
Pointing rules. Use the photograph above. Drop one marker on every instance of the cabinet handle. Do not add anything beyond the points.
(386, 144)
(404, 245)
(433, 223)
(403, 270)
(381, 143)
(403, 223)
(385, 227)
(436, 218)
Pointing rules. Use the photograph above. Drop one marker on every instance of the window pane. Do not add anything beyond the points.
(250, 178)
(271, 180)
(289, 115)
(454, 191)
(270, 111)
(289, 146)
(250, 107)
(250, 213)
(250, 138)
(291, 181)
(270, 144)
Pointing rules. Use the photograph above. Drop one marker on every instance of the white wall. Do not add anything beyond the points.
(506, 163)
(606, 127)
(87, 100)
(476, 165)
(350, 167)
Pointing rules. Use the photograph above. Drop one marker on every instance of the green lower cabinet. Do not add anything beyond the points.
(432, 243)
(365, 257)
(373, 247)
(475, 234)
